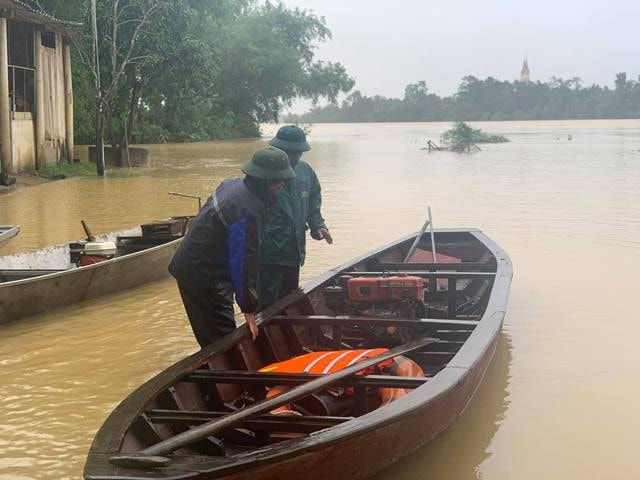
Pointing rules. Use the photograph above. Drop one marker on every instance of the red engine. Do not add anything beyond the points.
(384, 289)
(388, 297)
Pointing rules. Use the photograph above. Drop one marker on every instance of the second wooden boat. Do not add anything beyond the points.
(364, 365)
(41, 280)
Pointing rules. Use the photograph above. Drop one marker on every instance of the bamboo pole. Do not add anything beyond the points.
(5, 113)
(68, 101)
(39, 130)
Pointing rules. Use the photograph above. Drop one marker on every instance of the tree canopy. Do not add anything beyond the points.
(187, 70)
(490, 99)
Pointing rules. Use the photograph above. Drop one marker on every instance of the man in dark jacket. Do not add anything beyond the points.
(220, 254)
(297, 208)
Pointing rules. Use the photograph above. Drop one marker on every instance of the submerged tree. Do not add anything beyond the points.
(463, 133)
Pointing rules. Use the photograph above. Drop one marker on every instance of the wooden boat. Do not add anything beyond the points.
(212, 415)
(8, 231)
(41, 280)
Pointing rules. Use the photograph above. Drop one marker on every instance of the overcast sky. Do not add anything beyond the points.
(387, 44)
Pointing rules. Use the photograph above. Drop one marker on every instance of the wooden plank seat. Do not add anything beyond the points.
(127, 245)
(422, 273)
(431, 358)
(268, 379)
(317, 320)
(455, 267)
(267, 422)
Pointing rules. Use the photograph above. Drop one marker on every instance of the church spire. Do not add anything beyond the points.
(524, 73)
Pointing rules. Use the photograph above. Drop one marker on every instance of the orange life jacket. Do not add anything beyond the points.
(329, 362)
(324, 362)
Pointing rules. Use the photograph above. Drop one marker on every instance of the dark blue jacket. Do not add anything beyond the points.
(223, 243)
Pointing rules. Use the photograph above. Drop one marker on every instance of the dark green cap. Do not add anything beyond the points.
(291, 138)
(269, 164)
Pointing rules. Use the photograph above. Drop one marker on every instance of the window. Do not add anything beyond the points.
(21, 66)
(21, 50)
(48, 40)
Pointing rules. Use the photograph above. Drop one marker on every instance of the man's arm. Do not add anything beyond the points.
(317, 225)
(244, 261)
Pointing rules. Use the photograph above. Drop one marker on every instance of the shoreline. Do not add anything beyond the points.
(24, 180)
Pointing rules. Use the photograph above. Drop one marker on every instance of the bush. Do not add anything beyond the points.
(462, 132)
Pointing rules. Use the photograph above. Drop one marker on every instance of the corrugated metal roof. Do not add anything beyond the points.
(35, 7)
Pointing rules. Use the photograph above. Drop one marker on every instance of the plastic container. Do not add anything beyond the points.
(100, 249)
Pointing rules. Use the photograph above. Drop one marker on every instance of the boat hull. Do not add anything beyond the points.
(23, 298)
(357, 448)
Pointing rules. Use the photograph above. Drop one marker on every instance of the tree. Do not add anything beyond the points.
(492, 99)
(183, 70)
(267, 60)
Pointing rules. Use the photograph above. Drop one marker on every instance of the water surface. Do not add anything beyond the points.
(558, 401)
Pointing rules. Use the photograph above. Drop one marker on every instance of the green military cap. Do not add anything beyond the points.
(269, 164)
(291, 138)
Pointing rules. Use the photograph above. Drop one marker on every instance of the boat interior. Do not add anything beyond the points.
(453, 294)
(64, 257)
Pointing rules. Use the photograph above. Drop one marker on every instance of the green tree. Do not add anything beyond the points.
(492, 99)
(183, 70)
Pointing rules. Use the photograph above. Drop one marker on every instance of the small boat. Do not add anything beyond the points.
(41, 280)
(8, 231)
(238, 410)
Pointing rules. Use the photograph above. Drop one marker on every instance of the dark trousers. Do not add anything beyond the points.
(276, 282)
(210, 311)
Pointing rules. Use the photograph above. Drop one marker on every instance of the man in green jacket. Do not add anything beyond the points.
(297, 208)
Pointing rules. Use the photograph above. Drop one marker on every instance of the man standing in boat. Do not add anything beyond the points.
(219, 256)
(297, 208)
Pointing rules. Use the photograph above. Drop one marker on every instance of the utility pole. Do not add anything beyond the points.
(99, 117)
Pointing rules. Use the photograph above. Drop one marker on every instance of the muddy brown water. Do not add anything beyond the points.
(558, 402)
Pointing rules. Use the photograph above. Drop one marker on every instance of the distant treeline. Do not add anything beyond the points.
(189, 70)
(489, 99)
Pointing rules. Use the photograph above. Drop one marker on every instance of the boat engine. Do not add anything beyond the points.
(85, 253)
(397, 296)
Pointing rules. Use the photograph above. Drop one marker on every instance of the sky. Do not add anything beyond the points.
(387, 44)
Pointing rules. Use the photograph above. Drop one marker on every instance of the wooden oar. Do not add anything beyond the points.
(152, 456)
(418, 238)
(433, 240)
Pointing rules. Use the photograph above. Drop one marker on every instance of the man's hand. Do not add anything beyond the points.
(250, 318)
(323, 233)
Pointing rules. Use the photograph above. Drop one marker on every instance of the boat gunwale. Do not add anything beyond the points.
(111, 434)
(70, 271)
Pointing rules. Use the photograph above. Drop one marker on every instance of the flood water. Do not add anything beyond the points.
(559, 400)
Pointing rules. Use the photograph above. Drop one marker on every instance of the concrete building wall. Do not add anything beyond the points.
(24, 148)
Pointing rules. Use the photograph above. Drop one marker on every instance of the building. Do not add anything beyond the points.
(524, 73)
(36, 95)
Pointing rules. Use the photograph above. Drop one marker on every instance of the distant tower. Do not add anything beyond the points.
(524, 73)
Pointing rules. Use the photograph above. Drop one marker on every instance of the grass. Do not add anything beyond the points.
(60, 171)
(63, 170)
